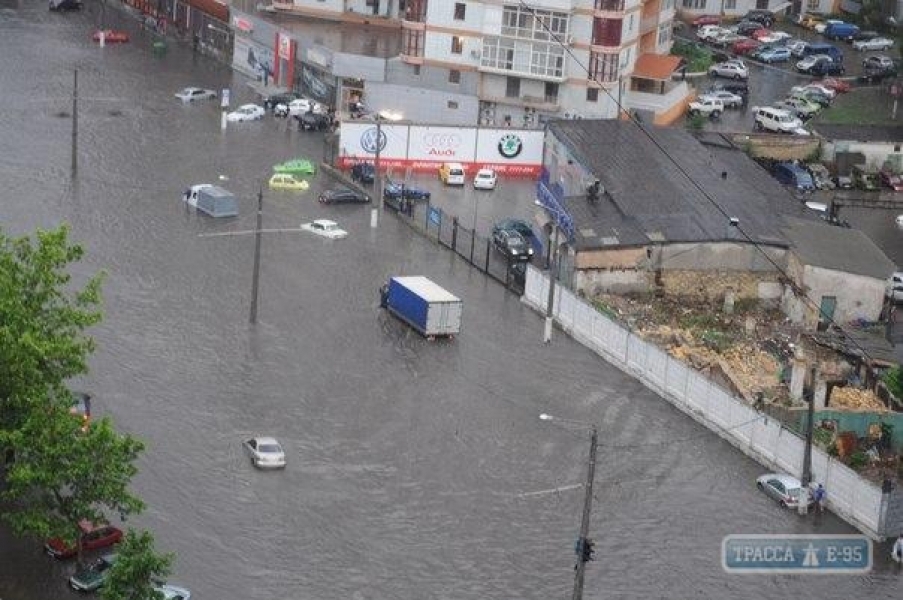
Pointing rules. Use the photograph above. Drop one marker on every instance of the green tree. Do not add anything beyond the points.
(138, 568)
(64, 473)
(42, 321)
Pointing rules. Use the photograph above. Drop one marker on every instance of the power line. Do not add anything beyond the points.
(633, 119)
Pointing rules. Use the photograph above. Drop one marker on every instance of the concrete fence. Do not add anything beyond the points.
(856, 500)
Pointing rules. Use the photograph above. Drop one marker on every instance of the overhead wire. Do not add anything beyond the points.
(635, 121)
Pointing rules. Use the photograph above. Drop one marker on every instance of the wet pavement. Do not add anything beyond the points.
(414, 466)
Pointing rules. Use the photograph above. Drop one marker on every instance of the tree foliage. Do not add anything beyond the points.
(42, 321)
(64, 474)
(138, 568)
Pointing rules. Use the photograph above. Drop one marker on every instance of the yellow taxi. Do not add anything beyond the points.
(287, 181)
(810, 21)
(451, 173)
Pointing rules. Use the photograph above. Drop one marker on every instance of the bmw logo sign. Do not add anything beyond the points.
(510, 145)
(369, 143)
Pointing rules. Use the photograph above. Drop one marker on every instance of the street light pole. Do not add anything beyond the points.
(255, 281)
(375, 213)
(587, 509)
(74, 121)
(553, 273)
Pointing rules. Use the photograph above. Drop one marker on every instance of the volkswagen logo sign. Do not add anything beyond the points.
(369, 143)
(510, 145)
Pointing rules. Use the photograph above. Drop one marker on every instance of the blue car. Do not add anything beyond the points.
(795, 176)
(773, 55)
(395, 190)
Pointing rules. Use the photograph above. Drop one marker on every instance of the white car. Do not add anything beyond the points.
(729, 99)
(797, 47)
(820, 28)
(708, 32)
(246, 112)
(485, 179)
(777, 120)
(775, 37)
(732, 69)
(265, 452)
(784, 488)
(190, 94)
(807, 63)
(298, 107)
(173, 592)
(814, 86)
(325, 228)
(706, 105)
(878, 43)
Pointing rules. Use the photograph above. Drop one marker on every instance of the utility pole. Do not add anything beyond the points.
(75, 121)
(809, 396)
(375, 213)
(553, 273)
(584, 522)
(255, 282)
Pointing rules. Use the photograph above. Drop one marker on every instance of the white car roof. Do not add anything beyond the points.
(788, 481)
(326, 223)
(247, 106)
(455, 165)
(485, 172)
(266, 440)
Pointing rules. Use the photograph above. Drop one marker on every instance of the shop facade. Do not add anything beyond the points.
(203, 22)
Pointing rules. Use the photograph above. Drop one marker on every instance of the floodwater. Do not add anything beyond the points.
(416, 469)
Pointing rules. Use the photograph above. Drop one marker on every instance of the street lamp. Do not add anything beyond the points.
(584, 546)
(377, 183)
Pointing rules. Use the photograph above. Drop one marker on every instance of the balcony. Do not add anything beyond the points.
(609, 8)
(543, 104)
(648, 24)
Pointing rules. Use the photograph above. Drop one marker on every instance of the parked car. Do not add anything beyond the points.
(706, 20)
(841, 31)
(363, 172)
(838, 85)
(297, 166)
(740, 88)
(746, 27)
(776, 37)
(521, 227)
(812, 95)
(867, 34)
(793, 175)
(776, 120)
(173, 592)
(797, 47)
(809, 21)
(93, 536)
(878, 43)
(325, 228)
(394, 189)
(760, 34)
(801, 107)
(806, 64)
(879, 61)
(485, 179)
(725, 39)
(872, 74)
(287, 181)
(110, 36)
(190, 94)
(731, 69)
(865, 179)
(94, 575)
(745, 46)
(451, 173)
(843, 182)
(343, 196)
(299, 106)
(821, 177)
(511, 244)
(891, 180)
(773, 55)
(246, 112)
(785, 489)
(265, 452)
(817, 86)
(821, 27)
(706, 105)
(765, 17)
(729, 99)
(707, 32)
(271, 101)
(827, 67)
(312, 121)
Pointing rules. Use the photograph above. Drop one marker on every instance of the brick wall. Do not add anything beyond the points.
(712, 285)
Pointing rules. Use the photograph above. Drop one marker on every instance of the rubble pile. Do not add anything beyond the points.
(855, 399)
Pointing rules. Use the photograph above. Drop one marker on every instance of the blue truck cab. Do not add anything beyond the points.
(841, 31)
(829, 49)
(794, 175)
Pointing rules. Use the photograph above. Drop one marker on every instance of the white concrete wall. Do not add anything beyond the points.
(442, 14)
(858, 296)
(850, 496)
(875, 152)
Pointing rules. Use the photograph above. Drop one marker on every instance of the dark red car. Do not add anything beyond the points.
(93, 537)
(706, 20)
(758, 34)
(745, 46)
(111, 36)
(838, 85)
(891, 180)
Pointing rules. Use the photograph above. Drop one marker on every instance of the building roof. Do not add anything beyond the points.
(837, 248)
(656, 66)
(648, 198)
(860, 133)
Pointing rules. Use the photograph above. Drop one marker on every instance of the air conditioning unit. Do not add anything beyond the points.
(475, 54)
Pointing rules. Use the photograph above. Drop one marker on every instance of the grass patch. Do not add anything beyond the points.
(864, 106)
(698, 57)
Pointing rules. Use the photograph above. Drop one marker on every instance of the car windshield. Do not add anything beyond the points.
(455, 172)
(269, 448)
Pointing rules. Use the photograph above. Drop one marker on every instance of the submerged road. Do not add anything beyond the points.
(416, 469)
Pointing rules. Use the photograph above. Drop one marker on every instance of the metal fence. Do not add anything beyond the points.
(465, 242)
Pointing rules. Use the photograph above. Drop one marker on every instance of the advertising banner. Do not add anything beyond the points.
(251, 58)
(424, 148)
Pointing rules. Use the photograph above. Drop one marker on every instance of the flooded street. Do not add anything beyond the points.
(413, 466)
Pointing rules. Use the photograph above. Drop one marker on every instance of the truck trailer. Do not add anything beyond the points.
(422, 304)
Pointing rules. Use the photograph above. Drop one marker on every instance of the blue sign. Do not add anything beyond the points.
(551, 198)
(435, 216)
(800, 554)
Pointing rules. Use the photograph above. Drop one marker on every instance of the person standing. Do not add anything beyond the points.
(820, 496)
(897, 552)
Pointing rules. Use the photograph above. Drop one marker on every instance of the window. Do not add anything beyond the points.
(460, 9)
(603, 66)
(551, 95)
(592, 94)
(531, 58)
(528, 23)
(607, 32)
(416, 69)
(732, 4)
(457, 46)
(695, 4)
(412, 42)
(454, 76)
(453, 105)
(812, 5)
(512, 87)
(612, 5)
(664, 33)
(630, 24)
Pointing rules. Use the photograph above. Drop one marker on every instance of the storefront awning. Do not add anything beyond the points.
(656, 66)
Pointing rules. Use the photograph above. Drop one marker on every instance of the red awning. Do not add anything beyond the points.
(656, 66)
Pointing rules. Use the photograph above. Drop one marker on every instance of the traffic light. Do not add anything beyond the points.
(588, 550)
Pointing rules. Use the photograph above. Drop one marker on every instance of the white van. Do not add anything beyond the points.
(452, 173)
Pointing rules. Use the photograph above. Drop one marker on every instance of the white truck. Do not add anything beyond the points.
(708, 106)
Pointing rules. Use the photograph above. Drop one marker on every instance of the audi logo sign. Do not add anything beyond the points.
(440, 144)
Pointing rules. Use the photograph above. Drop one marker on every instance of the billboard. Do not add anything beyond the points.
(424, 148)
(251, 58)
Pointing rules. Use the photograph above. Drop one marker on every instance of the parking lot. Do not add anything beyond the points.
(769, 83)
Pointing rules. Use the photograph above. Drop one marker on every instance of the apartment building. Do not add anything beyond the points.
(508, 63)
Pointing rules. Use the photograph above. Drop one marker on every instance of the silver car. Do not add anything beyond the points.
(265, 452)
(731, 69)
(783, 488)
